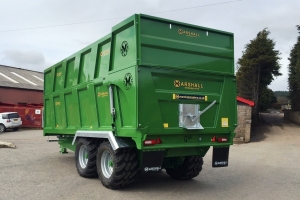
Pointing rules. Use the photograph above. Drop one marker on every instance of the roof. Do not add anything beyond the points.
(21, 78)
(7, 112)
(246, 101)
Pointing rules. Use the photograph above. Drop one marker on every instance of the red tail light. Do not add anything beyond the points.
(152, 142)
(222, 139)
(214, 139)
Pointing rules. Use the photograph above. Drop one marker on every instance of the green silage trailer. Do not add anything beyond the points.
(153, 94)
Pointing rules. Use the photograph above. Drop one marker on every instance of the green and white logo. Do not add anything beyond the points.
(128, 80)
(124, 48)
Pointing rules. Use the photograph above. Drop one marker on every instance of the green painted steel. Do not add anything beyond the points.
(152, 65)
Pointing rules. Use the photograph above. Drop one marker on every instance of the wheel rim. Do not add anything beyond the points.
(83, 156)
(106, 164)
(1, 128)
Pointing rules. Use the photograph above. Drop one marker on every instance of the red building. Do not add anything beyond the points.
(21, 91)
(21, 86)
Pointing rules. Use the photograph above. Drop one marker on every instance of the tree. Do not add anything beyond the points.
(267, 99)
(258, 66)
(294, 74)
(245, 82)
(282, 93)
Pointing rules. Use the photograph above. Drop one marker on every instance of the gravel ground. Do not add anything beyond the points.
(266, 168)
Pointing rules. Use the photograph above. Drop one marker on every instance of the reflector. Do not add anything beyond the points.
(222, 139)
(213, 139)
(153, 142)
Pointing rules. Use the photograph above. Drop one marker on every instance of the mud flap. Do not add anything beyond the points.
(152, 161)
(220, 156)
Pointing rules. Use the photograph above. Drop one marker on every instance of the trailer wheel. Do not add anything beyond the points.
(117, 168)
(2, 128)
(85, 155)
(190, 168)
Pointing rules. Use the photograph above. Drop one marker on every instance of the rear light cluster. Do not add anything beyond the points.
(222, 139)
(219, 139)
(158, 140)
(152, 142)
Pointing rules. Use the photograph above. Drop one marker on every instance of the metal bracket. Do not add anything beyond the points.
(111, 101)
(203, 111)
(190, 113)
(48, 140)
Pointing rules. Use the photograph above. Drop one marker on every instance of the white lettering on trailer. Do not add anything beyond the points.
(146, 169)
(221, 163)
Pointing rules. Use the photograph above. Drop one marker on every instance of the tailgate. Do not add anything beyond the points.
(166, 99)
(184, 70)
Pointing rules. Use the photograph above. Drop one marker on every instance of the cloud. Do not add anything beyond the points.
(30, 59)
(67, 27)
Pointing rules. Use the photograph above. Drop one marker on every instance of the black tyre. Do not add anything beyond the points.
(2, 128)
(15, 129)
(85, 156)
(117, 168)
(190, 168)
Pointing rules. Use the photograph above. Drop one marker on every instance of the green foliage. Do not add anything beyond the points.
(267, 99)
(258, 66)
(245, 82)
(281, 93)
(294, 74)
(261, 56)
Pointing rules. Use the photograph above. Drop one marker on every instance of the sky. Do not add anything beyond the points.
(35, 34)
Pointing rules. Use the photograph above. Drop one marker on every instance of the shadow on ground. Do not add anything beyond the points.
(268, 122)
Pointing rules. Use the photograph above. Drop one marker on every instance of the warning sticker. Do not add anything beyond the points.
(189, 97)
(224, 122)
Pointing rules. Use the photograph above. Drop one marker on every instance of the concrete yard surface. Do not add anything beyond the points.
(266, 168)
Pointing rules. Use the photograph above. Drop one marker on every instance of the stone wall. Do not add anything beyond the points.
(293, 116)
(243, 129)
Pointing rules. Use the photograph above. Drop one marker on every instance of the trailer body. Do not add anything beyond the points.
(162, 88)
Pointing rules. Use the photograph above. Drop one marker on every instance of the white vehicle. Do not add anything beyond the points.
(10, 120)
